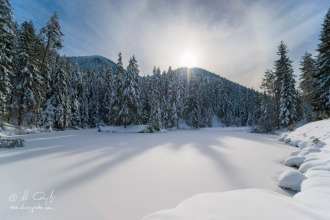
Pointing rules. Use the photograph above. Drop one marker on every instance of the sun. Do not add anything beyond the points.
(188, 59)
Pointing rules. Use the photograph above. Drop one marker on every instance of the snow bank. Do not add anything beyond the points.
(9, 130)
(312, 202)
(121, 129)
(313, 159)
(238, 204)
(294, 161)
(291, 179)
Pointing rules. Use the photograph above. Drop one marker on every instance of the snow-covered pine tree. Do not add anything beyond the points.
(117, 92)
(308, 71)
(155, 118)
(268, 119)
(253, 100)
(94, 100)
(84, 102)
(146, 93)
(206, 102)
(28, 80)
(75, 96)
(129, 109)
(171, 102)
(137, 89)
(322, 77)
(57, 105)
(181, 93)
(192, 106)
(7, 39)
(286, 87)
(101, 91)
(107, 96)
(219, 100)
(52, 37)
(68, 100)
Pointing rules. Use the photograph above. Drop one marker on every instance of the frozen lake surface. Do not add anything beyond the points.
(123, 176)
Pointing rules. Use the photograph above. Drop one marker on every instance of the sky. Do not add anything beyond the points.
(236, 39)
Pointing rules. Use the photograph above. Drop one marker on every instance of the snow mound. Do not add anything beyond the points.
(121, 129)
(291, 179)
(238, 204)
(294, 161)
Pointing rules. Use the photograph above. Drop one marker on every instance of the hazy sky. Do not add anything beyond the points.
(236, 39)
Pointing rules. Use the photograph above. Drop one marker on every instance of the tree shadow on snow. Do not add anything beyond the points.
(94, 153)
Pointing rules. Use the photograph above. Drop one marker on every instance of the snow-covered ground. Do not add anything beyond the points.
(312, 179)
(102, 175)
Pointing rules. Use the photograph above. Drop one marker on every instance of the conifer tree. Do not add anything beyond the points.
(52, 35)
(268, 119)
(285, 92)
(155, 118)
(146, 94)
(308, 71)
(192, 106)
(84, 102)
(117, 92)
(129, 109)
(28, 81)
(75, 96)
(93, 97)
(57, 105)
(107, 96)
(171, 102)
(322, 77)
(7, 39)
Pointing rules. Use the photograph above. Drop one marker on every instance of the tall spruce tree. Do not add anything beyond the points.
(155, 118)
(7, 39)
(268, 118)
(285, 92)
(93, 97)
(322, 77)
(129, 109)
(29, 82)
(52, 35)
(75, 95)
(84, 102)
(192, 106)
(308, 71)
(146, 94)
(117, 92)
(57, 105)
(107, 96)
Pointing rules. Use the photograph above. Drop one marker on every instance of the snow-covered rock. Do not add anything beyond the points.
(294, 161)
(291, 179)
